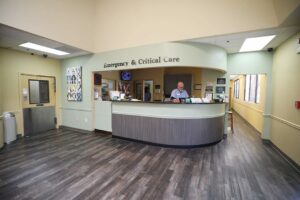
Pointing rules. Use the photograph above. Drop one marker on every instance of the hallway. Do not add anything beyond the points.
(65, 164)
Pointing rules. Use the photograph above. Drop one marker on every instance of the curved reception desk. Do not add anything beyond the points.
(168, 124)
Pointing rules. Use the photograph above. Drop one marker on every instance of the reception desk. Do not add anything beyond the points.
(169, 124)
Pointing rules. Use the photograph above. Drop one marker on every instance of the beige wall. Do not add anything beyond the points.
(283, 8)
(12, 63)
(252, 112)
(68, 21)
(131, 23)
(285, 118)
(103, 25)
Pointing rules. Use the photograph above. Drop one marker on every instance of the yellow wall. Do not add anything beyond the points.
(111, 75)
(1, 134)
(285, 133)
(12, 63)
(155, 74)
(252, 112)
(196, 76)
(1, 121)
(231, 86)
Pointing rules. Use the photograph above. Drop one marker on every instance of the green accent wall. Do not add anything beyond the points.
(80, 114)
(255, 63)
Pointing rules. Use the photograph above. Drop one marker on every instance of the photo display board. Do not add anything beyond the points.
(74, 84)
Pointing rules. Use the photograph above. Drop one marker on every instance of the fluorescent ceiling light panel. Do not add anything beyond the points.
(256, 43)
(37, 47)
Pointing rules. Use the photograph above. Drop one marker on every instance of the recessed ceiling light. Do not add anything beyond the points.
(37, 47)
(256, 43)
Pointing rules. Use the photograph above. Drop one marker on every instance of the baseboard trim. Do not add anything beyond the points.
(282, 154)
(3, 147)
(102, 131)
(166, 145)
(74, 129)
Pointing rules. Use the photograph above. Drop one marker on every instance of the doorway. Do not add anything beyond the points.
(248, 97)
(148, 90)
(38, 102)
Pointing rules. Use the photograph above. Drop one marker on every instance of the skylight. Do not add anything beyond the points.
(256, 43)
(41, 48)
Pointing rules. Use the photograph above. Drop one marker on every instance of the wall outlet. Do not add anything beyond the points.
(86, 120)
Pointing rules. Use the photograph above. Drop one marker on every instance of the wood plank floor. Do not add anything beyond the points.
(72, 165)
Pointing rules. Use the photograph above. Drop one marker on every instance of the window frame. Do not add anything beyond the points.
(40, 99)
(236, 88)
(248, 88)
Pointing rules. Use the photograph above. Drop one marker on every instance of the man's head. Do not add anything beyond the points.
(180, 85)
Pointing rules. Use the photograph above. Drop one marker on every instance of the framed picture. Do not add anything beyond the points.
(221, 81)
(97, 79)
(209, 89)
(197, 87)
(74, 84)
(220, 89)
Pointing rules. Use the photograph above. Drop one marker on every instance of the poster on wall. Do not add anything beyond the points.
(74, 84)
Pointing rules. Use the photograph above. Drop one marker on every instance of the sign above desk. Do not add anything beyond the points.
(171, 54)
(143, 61)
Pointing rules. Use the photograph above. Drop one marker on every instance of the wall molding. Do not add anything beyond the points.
(247, 106)
(170, 116)
(76, 109)
(284, 121)
(62, 127)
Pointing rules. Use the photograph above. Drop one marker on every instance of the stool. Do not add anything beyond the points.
(231, 120)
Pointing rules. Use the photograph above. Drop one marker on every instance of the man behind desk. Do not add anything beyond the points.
(179, 93)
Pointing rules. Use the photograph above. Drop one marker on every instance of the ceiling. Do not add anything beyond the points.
(11, 38)
(233, 42)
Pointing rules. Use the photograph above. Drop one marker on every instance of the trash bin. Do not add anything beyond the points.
(10, 127)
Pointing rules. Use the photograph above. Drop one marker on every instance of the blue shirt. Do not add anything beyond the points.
(177, 94)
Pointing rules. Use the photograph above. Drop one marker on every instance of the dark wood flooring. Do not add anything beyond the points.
(71, 165)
